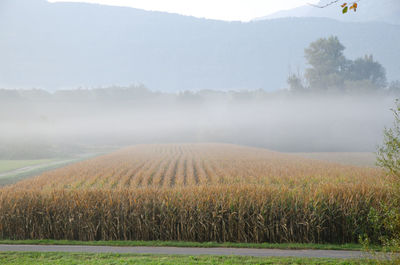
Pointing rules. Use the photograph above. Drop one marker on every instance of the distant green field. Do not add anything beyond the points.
(9, 165)
(12, 171)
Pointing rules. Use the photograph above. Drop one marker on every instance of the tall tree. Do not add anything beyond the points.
(328, 64)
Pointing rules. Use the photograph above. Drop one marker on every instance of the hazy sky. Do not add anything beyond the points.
(244, 10)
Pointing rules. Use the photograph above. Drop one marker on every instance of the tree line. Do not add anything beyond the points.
(329, 70)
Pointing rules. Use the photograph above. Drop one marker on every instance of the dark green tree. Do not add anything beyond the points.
(366, 68)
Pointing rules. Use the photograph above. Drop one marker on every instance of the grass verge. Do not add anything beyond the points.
(190, 244)
(83, 258)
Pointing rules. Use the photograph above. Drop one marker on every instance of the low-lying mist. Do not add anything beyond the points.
(36, 123)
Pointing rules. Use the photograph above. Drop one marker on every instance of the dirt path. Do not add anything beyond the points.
(190, 251)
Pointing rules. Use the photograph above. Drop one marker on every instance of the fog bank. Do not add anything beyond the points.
(69, 121)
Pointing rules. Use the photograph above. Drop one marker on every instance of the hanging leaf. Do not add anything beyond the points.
(345, 10)
(344, 4)
(355, 7)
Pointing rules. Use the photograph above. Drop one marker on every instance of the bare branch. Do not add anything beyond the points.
(326, 5)
(331, 3)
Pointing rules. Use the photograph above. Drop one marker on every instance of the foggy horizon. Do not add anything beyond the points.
(74, 120)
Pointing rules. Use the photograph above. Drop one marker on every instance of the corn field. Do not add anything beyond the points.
(196, 192)
(180, 165)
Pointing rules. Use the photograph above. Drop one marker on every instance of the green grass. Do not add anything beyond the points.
(9, 165)
(190, 244)
(81, 258)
